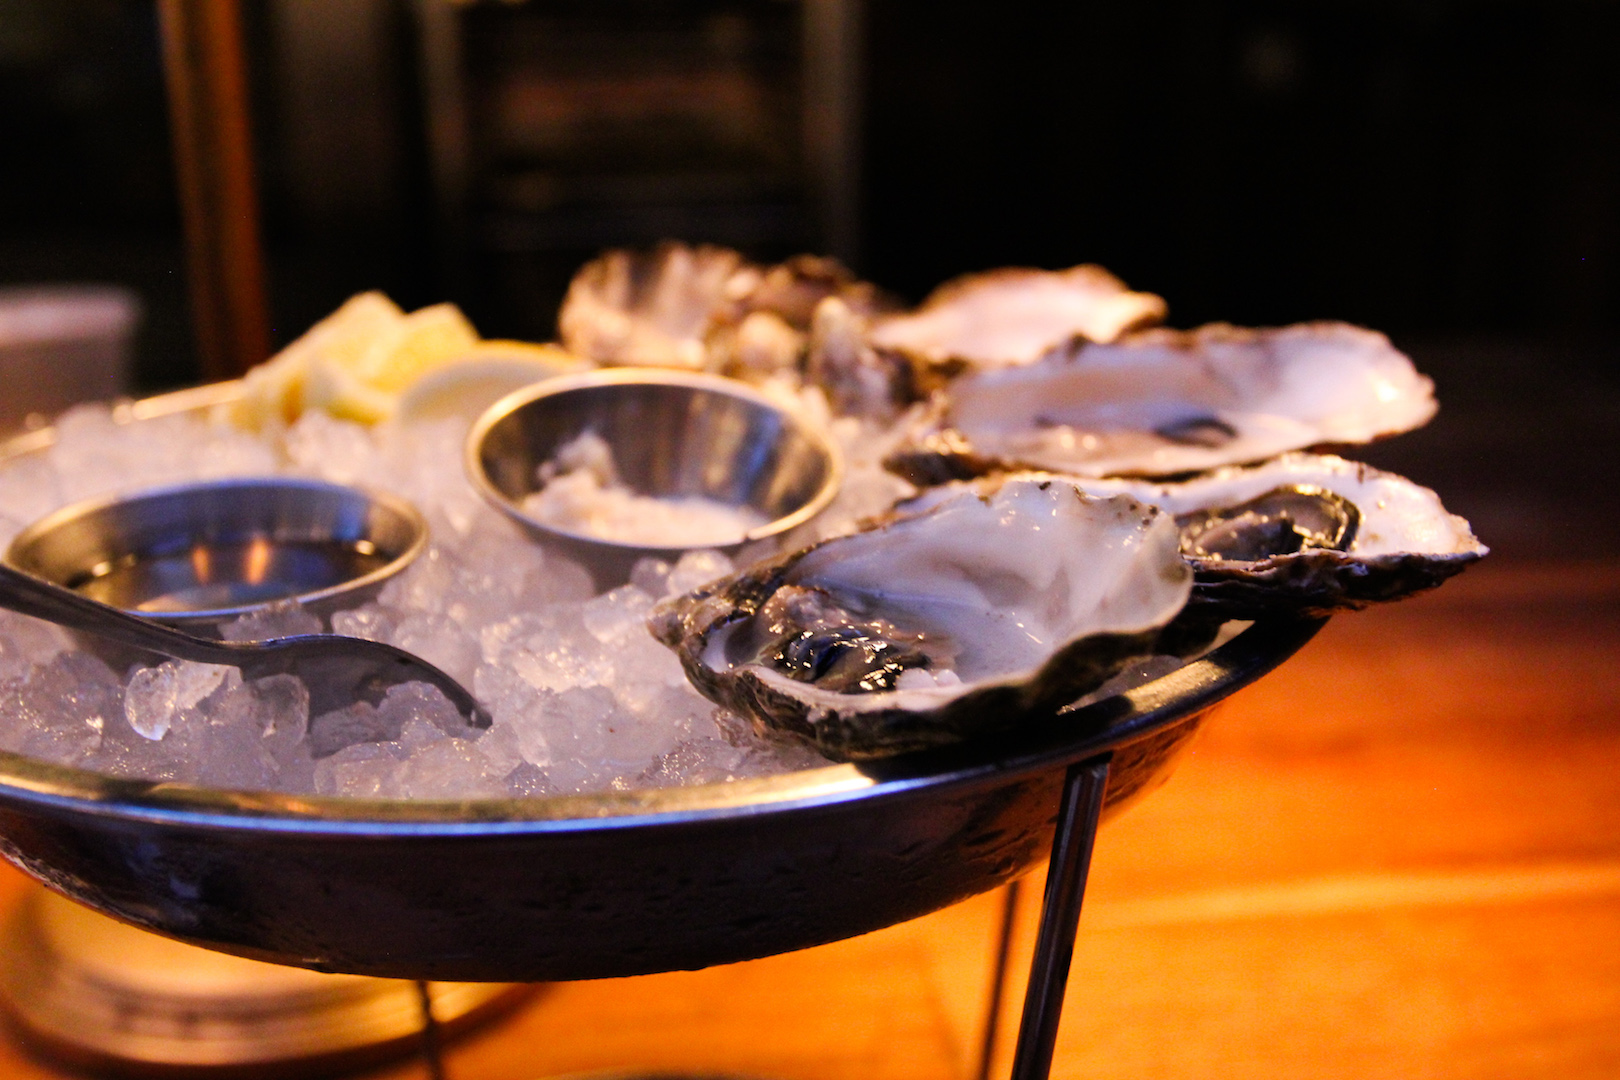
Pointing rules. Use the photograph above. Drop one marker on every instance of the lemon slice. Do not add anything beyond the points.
(274, 391)
(368, 359)
(419, 343)
(332, 387)
(346, 336)
(481, 377)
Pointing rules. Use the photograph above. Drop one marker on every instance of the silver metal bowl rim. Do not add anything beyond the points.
(412, 516)
(645, 376)
(1106, 724)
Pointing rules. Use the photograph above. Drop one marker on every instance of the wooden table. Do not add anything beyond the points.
(1399, 856)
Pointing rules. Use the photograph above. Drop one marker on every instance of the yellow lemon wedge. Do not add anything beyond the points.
(421, 342)
(274, 392)
(369, 360)
(342, 393)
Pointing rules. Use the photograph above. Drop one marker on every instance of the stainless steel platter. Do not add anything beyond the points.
(594, 886)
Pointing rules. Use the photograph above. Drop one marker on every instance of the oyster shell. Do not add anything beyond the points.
(858, 379)
(973, 615)
(702, 308)
(1013, 316)
(1164, 402)
(1304, 533)
(653, 309)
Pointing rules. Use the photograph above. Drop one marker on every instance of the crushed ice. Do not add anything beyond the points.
(583, 699)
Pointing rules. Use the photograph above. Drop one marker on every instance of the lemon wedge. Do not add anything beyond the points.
(275, 390)
(419, 343)
(339, 391)
(368, 360)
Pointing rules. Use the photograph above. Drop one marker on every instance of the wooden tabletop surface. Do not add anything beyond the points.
(1398, 856)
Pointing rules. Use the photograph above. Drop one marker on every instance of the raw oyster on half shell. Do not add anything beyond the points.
(653, 309)
(1013, 316)
(974, 615)
(1166, 402)
(702, 308)
(1304, 533)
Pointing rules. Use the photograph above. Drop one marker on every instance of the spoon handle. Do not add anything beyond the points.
(28, 595)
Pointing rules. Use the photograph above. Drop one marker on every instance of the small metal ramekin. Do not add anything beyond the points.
(205, 553)
(673, 434)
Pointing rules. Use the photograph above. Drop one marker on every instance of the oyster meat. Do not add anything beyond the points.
(1014, 316)
(1164, 402)
(972, 615)
(1303, 533)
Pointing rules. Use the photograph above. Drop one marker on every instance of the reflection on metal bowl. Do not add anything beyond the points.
(206, 553)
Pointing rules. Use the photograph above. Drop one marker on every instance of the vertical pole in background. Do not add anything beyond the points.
(833, 39)
(205, 70)
(444, 97)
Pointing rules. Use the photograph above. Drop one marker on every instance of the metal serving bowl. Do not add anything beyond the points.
(205, 553)
(619, 883)
(673, 434)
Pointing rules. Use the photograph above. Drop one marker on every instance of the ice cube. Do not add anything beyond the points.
(440, 641)
(651, 576)
(333, 449)
(25, 642)
(617, 613)
(449, 769)
(516, 707)
(698, 568)
(422, 703)
(423, 585)
(527, 781)
(372, 622)
(284, 618)
(362, 771)
(342, 728)
(60, 711)
(149, 703)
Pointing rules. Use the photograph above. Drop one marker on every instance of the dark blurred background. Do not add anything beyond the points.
(1446, 171)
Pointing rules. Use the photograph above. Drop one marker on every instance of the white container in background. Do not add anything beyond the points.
(63, 344)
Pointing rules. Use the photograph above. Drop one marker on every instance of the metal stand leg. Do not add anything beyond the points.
(432, 1045)
(1078, 815)
(998, 980)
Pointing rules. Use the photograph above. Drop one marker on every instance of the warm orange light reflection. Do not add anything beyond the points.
(202, 564)
(257, 563)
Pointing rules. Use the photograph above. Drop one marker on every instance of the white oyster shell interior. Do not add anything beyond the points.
(1014, 316)
(1000, 583)
(652, 309)
(1165, 402)
(1397, 515)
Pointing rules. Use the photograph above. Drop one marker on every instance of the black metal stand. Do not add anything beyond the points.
(432, 1044)
(998, 979)
(1079, 813)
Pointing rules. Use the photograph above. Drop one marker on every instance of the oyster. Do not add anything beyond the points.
(1013, 316)
(1304, 533)
(858, 379)
(1164, 402)
(653, 309)
(702, 308)
(970, 616)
